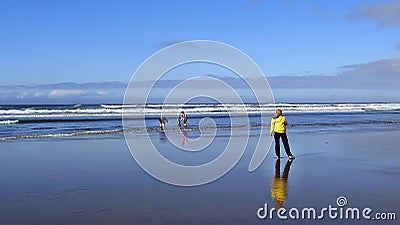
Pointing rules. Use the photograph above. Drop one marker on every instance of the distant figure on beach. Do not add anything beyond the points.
(162, 120)
(279, 184)
(278, 130)
(182, 117)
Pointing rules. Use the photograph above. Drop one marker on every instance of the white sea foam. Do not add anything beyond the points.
(8, 122)
(192, 109)
(60, 135)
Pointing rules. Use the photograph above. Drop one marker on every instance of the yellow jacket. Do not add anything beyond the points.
(278, 125)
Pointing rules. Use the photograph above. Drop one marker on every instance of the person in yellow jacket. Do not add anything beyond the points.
(278, 130)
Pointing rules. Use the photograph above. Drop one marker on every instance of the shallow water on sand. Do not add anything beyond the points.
(96, 181)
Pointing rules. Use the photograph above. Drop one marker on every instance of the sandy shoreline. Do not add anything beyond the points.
(96, 181)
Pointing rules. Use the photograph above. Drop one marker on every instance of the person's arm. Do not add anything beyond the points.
(271, 131)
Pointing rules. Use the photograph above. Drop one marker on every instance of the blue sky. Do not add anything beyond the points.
(53, 42)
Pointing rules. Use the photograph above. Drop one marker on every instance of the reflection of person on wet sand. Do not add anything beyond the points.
(163, 137)
(183, 136)
(279, 184)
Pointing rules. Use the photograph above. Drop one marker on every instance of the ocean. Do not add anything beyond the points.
(55, 121)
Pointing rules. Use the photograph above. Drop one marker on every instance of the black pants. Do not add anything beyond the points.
(285, 144)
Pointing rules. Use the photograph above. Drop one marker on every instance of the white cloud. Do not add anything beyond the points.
(103, 93)
(66, 93)
(63, 93)
(384, 69)
(386, 14)
(169, 42)
(38, 94)
(381, 74)
(23, 95)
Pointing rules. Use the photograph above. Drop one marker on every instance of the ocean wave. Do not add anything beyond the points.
(68, 120)
(8, 122)
(120, 131)
(60, 135)
(117, 106)
(143, 130)
(360, 123)
(191, 109)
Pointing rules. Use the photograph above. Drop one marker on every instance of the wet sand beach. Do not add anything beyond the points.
(95, 180)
